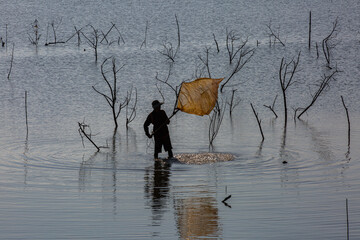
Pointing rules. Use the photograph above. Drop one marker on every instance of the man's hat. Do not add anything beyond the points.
(156, 104)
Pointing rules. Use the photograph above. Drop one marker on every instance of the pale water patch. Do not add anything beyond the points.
(203, 158)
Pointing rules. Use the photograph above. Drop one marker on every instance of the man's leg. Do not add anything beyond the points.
(170, 153)
(157, 148)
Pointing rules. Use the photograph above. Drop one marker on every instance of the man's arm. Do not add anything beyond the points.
(146, 126)
(166, 119)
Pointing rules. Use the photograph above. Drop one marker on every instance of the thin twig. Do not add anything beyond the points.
(12, 60)
(272, 107)
(348, 119)
(26, 116)
(146, 29)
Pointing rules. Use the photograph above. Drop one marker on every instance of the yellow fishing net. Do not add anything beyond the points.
(199, 96)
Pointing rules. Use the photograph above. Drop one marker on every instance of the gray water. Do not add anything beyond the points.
(53, 187)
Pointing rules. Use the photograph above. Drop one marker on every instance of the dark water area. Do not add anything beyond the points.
(293, 185)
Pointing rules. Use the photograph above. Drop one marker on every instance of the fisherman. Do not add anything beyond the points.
(160, 121)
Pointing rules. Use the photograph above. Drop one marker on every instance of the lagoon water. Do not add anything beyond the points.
(54, 187)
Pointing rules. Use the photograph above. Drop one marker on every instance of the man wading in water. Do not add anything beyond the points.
(160, 121)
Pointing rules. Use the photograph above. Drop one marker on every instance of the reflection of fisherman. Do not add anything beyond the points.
(157, 189)
(160, 121)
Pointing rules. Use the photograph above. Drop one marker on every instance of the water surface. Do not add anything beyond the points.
(52, 187)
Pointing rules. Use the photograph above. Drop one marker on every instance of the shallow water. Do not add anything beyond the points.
(52, 187)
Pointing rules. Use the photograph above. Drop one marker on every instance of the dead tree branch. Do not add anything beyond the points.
(146, 29)
(272, 107)
(233, 102)
(77, 32)
(215, 121)
(11, 61)
(85, 131)
(348, 119)
(231, 40)
(93, 40)
(54, 27)
(274, 35)
(216, 43)
(206, 60)
(328, 44)
(168, 50)
(178, 33)
(286, 77)
(324, 84)
(120, 38)
(131, 111)
(34, 37)
(112, 98)
(244, 57)
(258, 121)
(107, 33)
(166, 82)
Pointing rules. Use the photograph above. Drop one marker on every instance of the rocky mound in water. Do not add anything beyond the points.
(203, 158)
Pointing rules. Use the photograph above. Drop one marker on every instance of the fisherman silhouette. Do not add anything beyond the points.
(160, 121)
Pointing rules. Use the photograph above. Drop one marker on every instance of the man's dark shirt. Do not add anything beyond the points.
(161, 132)
(160, 120)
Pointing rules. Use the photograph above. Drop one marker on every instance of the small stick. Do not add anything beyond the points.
(82, 130)
(217, 45)
(6, 37)
(310, 31)
(317, 51)
(26, 115)
(272, 107)
(227, 198)
(348, 119)
(12, 60)
(146, 30)
(258, 121)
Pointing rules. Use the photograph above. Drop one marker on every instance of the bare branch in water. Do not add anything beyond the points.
(258, 121)
(324, 83)
(272, 107)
